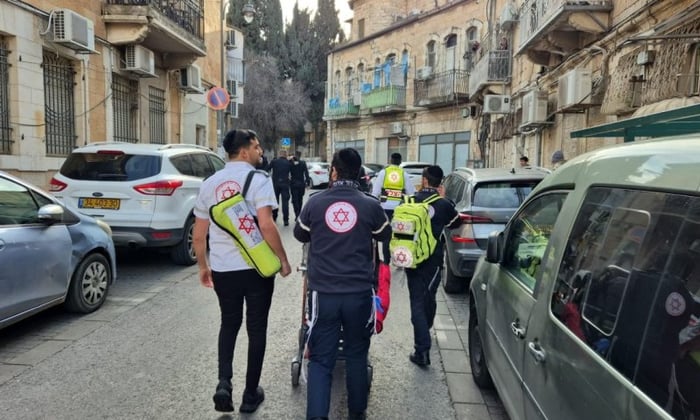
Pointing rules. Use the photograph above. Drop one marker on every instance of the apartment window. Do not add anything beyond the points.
(349, 79)
(156, 114)
(386, 146)
(358, 145)
(5, 131)
(695, 71)
(449, 150)
(450, 52)
(472, 34)
(59, 104)
(430, 54)
(360, 28)
(125, 95)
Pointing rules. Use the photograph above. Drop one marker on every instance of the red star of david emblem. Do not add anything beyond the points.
(400, 227)
(675, 304)
(341, 216)
(228, 192)
(401, 257)
(247, 224)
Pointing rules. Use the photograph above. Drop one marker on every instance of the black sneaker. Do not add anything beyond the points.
(222, 397)
(421, 359)
(357, 415)
(251, 402)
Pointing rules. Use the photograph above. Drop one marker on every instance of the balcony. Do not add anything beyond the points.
(560, 27)
(495, 67)
(172, 28)
(384, 100)
(341, 110)
(442, 89)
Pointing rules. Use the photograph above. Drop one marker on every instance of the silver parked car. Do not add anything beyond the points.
(49, 254)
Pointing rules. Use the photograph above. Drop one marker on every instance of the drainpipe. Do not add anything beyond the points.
(86, 117)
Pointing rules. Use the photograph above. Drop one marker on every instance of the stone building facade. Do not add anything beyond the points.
(81, 71)
(538, 72)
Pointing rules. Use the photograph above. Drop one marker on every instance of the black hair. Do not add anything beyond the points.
(434, 175)
(237, 139)
(395, 158)
(347, 163)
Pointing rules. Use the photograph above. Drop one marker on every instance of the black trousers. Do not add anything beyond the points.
(297, 198)
(423, 283)
(233, 288)
(282, 190)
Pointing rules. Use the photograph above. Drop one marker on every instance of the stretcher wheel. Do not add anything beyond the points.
(296, 372)
(370, 373)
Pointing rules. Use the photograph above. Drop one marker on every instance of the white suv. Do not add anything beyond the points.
(145, 192)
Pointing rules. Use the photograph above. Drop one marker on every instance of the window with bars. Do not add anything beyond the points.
(59, 104)
(156, 115)
(5, 130)
(125, 100)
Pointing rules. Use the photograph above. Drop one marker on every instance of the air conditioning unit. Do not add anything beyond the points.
(191, 79)
(357, 98)
(496, 104)
(575, 89)
(534, 108)
(424, 73)
(509, 16)
(232, 109)
(73, 30)
(139, 60)
(231, 40)
(396, 127)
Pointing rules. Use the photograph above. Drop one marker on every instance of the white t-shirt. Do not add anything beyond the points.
(224, 254)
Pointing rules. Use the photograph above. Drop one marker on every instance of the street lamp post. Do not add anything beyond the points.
(248, 12)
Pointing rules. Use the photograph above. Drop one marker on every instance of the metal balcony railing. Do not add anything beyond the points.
(338, 110)
(442, 88)
(537, 15)
(187, 14)
(387, 96)
(494, 67)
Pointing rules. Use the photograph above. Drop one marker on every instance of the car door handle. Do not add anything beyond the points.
(536, 351)
(517, 330)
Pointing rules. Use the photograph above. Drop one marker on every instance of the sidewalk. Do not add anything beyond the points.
(450, 327)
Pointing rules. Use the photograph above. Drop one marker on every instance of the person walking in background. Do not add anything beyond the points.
(557, 159)
(233, 280)
(390, 185)
(524, 161)
(264, 164)
(423, 281)
(299, 180)
(280, 168)
(339, 224)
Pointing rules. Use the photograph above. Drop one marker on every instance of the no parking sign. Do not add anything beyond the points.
(218, 98)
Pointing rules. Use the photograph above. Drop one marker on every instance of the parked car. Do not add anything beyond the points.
(415, 171)
(50, 254)
(145, 192)
(587, 305)
(319, 172)
(485, 199)
(371, 170)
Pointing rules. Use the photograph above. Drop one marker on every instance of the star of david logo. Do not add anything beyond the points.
(340, 216)
(227, 192)
(400, 227)
(247, 224)
(401, 257)
(394, 177)
(675, 304)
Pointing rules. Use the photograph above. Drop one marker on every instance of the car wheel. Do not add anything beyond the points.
(89, 284)
(183, 253)
(477, 360)
(453, 283)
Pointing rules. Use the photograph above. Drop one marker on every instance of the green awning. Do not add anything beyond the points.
(674, 122)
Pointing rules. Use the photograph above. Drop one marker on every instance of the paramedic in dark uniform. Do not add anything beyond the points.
(279, 169)
(300, 179)
(340, 223)
(390, 185)
(233, 280)
(423, 281)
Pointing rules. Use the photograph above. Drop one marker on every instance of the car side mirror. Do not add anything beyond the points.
(494, 247)
(50, 213)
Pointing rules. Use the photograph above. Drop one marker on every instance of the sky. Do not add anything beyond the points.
(344, 12)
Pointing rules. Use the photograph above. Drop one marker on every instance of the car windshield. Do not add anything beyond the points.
(110, 166)
(502, 194)
(415, 169)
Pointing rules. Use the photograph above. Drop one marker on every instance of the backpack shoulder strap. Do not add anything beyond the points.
(249, 179)
(433, 198)
(409, 198)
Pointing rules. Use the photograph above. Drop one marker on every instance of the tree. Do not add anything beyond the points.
(264, 35)
(299, 62)
(273, 105)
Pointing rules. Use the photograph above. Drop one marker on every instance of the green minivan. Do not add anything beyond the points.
(587, 305)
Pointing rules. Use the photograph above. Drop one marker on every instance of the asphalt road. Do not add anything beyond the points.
(150, 353)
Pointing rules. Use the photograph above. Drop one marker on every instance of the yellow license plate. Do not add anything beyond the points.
(99, 203)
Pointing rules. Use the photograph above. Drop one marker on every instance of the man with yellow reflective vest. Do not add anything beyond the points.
(390, 185)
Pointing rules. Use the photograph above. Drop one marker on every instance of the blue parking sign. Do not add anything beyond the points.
(286, 141)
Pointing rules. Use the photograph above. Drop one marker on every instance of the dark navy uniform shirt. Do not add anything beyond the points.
(279, 169)
(339, 223)
(442, 215)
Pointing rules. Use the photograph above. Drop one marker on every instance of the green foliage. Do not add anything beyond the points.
(264, 35)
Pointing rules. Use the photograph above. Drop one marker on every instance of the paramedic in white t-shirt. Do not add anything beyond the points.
(233, 280)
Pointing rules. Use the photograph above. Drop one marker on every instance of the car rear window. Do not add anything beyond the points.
(501, 194)
(110, 166)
